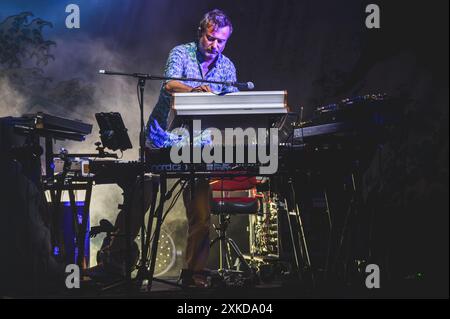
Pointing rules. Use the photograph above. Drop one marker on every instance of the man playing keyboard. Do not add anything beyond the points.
(202, 59)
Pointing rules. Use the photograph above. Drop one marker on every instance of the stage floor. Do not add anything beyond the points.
(263, 291)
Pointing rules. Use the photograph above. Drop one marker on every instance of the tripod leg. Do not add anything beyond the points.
(303, 244)
(330, 236)
(228, 254)
(344, 235)
(222, 253)
(302, 238)
(301, 234)
(222, 247)
(291, 233)
(238, 252)
(214, 241)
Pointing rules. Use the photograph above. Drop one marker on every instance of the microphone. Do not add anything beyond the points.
(247, 85)
(106, 72)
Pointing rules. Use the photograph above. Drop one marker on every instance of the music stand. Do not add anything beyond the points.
(113, 133)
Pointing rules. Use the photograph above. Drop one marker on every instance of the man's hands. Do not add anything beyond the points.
(179, 87)
(201, 88)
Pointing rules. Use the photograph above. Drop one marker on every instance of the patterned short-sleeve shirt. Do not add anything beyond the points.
(184, 61)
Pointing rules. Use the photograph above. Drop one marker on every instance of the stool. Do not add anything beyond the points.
(234, 196)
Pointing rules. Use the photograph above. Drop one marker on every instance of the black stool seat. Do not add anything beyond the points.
(234, 207)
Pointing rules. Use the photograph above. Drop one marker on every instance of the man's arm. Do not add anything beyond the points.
(174, 68)
(179, 87)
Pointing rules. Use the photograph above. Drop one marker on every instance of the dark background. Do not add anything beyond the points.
(319, 51)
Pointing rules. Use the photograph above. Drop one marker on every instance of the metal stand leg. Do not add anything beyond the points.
(330, 236)
(347, 237)
(147, 267)
(291, 235)
(227, 244)
(299, 246)
(159, 215)
(143, 268)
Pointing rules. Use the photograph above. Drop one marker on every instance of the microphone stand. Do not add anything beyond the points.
(248, 85)
(143, 272)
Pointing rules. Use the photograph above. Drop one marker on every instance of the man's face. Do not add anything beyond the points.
(213, 42)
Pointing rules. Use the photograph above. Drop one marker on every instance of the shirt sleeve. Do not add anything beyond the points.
(174, 64)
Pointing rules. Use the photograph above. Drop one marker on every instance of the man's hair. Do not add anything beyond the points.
(216, 18)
